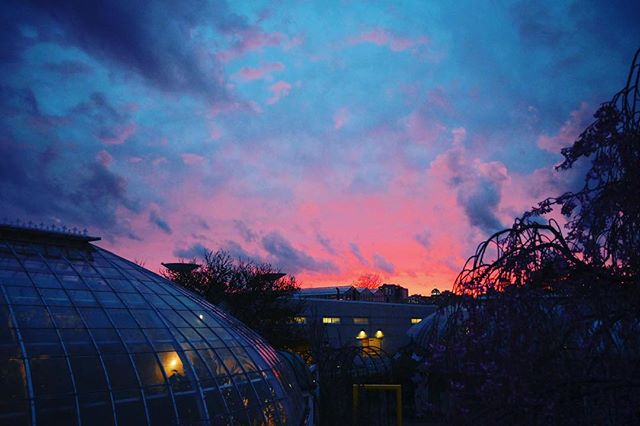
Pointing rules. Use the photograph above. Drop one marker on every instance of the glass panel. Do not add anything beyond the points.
(88, 374)
(45, 280)
(82, 298)
(122, 318)
(148, 369)
(95, 409)
(56, 411)
(120, 370)
(134, 300)
(96, 283)
(50, 376)
(188, 408)
(175, 371)
(147, 318)
(108, 299)
(72, 282)
(12, 379)
(55, 297)
(41, 341)
(121, 286)
(161, 339)
(215, 403)
(201, 371)
(107, 340)
(173, 317)
(32, 317)
(95, 318)
(161, 410)
(77, 341)
(23, 295)
(193, 337)
(16, 278)
(66, 317)
(135, 340)
(129, 408)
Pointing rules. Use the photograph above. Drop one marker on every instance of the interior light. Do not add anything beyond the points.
(361, 335)
(379, 334)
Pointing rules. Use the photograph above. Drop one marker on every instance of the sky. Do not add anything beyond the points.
(330, 138)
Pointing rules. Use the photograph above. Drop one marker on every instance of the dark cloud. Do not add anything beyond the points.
(480, 201)
(383, 264)
(355, 250)
(31, 188)
(283, 255)
(155, 219)
(247, 234)
(326, 244)
(238, 252)
(152, 39)
(195, 251)
(424, 239)
(45, 178)
(478, 188)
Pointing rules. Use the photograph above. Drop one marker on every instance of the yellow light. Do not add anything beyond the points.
(379, 334)
(361, 335)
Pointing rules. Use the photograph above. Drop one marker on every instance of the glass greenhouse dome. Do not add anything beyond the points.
(87, 337)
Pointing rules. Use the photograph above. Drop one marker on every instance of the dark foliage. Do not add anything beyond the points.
(255, 293)
(546, 328)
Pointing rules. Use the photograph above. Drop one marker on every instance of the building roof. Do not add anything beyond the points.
(325, 291)
(88, 335)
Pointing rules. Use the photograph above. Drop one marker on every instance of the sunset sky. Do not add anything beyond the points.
(329, 138)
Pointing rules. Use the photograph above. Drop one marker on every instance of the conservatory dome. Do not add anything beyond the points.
(87, 337)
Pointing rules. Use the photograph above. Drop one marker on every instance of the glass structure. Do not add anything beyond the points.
(87, 337)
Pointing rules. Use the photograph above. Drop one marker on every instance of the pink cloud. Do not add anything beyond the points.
(340, 118)
(570, 130)
(262, 72)
(216, 132)
(122, 134)
(422, 130)
(192, 159)
(383, 37)
(250, 40)
(278, 90)
(104, 158)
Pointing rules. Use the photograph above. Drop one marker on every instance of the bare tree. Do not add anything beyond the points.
(547, 325)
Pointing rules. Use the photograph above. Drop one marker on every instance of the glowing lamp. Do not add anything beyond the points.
(379, 334)
(361, 335)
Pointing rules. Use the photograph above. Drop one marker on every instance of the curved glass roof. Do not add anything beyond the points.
(87, 337)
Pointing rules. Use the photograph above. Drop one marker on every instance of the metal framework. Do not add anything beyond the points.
(87, 337)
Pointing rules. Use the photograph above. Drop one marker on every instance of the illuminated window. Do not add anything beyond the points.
(415, 320)
(371, 343)
(331, 320)
(300, 320)
(361, 320)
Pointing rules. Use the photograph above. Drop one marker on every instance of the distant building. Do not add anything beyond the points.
(362, 323)
(394, 293)
(391, 293)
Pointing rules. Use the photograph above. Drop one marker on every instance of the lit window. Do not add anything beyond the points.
(415, 320)
(330, 320)
(300, 320)
(361, 320)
